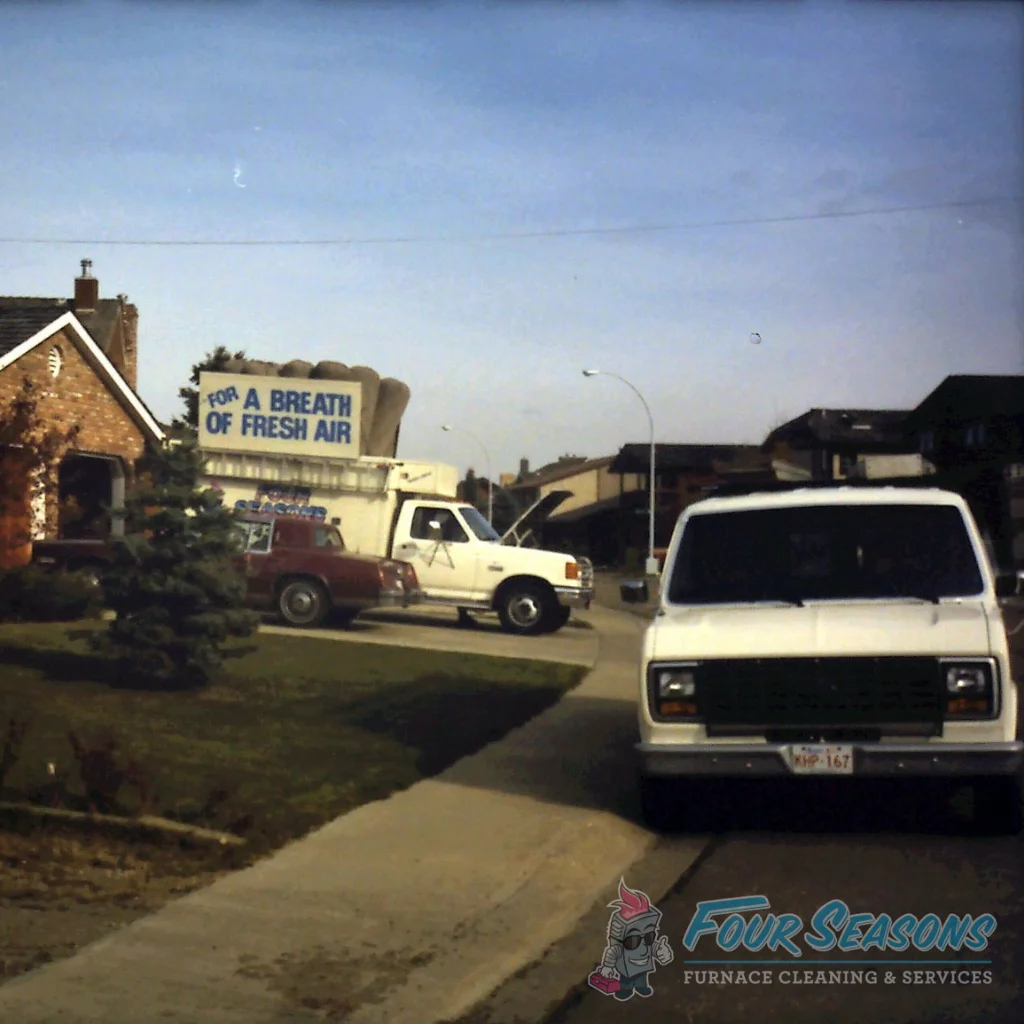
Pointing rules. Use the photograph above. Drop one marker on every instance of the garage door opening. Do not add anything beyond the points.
(88, 486)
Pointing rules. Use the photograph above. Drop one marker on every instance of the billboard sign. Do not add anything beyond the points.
(279, 415)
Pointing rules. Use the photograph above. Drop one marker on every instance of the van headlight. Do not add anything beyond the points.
(674, 691)
(969, 689)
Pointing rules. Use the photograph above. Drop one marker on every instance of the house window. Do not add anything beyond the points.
(55, 361)
(927, 441)
(975, 435)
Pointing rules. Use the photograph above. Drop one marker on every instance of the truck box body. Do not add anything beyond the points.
(360, 496)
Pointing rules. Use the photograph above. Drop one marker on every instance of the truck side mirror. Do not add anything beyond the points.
(434, 530)
(634, 592)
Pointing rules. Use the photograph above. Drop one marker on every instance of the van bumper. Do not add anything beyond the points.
(876, 760)
(574, 597)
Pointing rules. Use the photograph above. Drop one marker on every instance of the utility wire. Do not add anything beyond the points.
(635, 229)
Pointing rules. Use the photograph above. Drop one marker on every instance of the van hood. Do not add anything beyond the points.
(841, 629)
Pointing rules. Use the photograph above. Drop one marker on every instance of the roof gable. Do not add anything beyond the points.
(702, 458)
(842, 426)
(22, 317)
(963, 396)
(97, 358)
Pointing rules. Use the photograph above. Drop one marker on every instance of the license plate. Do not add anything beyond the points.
(821, 760)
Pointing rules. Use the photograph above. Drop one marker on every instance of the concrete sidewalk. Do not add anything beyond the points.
(408, 910)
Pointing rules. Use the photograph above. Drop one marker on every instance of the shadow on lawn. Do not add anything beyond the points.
(445, 720)
(85, 667)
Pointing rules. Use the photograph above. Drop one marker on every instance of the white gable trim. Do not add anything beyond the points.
(109, 371)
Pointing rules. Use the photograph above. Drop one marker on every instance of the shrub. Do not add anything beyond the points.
(30, 594)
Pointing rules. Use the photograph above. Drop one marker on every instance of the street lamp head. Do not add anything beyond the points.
(591, 373)
(446, 426)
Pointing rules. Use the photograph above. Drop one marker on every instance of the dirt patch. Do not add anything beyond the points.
(63, 887)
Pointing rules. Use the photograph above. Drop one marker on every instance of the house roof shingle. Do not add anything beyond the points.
(963, 396)
(703, 458)
(21, 317)
(844, 426)
(565, 467)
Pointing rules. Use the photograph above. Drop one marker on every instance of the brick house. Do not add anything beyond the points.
(82, 353)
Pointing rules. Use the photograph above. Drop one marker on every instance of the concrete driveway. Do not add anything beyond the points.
(437, 629)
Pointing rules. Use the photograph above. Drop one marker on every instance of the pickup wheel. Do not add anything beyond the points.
(92, 572)
(525, 608)
(303, 603)
(558, 618)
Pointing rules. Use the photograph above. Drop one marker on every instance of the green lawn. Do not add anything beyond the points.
(299, 731)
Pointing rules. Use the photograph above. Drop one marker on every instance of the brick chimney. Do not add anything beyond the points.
(524, 468)
(87, 290)
(130, 337)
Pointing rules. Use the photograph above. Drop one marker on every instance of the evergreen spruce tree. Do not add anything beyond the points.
(174, 586)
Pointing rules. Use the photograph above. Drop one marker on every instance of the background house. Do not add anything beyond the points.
(82, 352)
(972, 429)
(591, 521)
(827, 444)
(684, 473)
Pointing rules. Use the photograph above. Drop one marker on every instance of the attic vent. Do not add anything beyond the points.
(55, 361)
(862, 426)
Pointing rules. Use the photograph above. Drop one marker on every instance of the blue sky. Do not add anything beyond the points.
(453, 122)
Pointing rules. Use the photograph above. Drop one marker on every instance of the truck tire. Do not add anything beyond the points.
(91, 571)
(303, 603)
(558, 618)
(525, 608)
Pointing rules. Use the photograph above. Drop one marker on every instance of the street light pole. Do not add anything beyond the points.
(652, 562)
(487, 455)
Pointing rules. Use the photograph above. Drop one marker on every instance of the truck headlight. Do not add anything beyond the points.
(969, 688)
(674, 691)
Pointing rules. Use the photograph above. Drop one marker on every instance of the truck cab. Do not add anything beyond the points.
(461, 560)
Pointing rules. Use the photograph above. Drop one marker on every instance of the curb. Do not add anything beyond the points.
(542, 992)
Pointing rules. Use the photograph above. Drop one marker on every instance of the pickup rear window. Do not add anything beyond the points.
(825, 552)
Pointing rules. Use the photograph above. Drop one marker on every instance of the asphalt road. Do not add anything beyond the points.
(885, 848)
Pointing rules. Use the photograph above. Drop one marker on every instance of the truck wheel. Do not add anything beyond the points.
(525, 608)
(303, 603)
(91, 572)
(558, 618)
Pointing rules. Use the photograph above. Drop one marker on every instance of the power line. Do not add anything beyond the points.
(634, 229)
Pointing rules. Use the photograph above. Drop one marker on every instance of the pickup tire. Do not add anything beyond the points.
(525, 607)
(91, 571)
(558, 618)
(303, 603)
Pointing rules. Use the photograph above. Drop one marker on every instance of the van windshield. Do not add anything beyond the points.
(825, 552)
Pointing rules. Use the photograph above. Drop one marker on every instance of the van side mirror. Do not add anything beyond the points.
(434, 530)
(634, 592)
(1008, 583)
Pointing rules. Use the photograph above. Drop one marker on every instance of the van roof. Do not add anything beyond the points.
(841, 495)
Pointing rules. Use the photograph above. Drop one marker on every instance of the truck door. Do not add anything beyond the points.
(446, 567)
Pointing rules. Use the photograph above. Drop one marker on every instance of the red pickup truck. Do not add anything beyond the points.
(296, 567)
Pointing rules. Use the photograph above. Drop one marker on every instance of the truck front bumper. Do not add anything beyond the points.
(575, 597)
(877, 760)
(395, 597)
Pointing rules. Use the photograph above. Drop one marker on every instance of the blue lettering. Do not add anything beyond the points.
(927, 932)
(953, 933)
(980, 932)
(851, 938)
(277, 400)
(787, 926)
(702, 924)
(730, 935)
(252, 400)
(214, 422)
(899, 939)
(835, 912)
(877, 934)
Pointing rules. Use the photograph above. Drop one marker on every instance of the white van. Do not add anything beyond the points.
(836, 631)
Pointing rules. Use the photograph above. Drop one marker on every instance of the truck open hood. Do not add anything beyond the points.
(520, 530)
